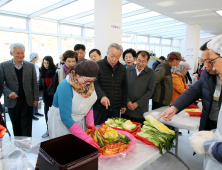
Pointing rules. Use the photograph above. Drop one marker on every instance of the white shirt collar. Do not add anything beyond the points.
(137, 71)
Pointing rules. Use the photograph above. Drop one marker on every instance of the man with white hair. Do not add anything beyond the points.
(20, 90)
(110, 86)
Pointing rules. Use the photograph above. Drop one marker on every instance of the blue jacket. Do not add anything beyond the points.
(155, 64)
(204, 88)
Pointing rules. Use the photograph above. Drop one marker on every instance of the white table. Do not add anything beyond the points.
(179, 121)
(138, 159)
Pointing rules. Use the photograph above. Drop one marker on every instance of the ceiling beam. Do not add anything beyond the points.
(84, 14)
(4, 2)
(51, 8)
(130, 14)
(153, 31)
(143, 20)
(89, 24)
(149, 26)
(124, 2)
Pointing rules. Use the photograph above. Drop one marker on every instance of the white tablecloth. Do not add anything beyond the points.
(179, 121)
(138, 159)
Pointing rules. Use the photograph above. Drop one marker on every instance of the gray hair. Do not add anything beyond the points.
(183, 66)
(117, 46)
(16, 45)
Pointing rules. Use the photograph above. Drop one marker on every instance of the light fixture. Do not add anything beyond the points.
(219, 12)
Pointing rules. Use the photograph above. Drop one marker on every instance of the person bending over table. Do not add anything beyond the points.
(206, 142)
(208, 88)
(72, 103)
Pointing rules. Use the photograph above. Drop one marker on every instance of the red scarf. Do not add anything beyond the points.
(48, 81)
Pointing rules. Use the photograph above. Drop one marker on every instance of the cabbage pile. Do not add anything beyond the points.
(120, 123)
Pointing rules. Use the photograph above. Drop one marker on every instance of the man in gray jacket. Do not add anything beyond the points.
(140, 87)
(20, 90)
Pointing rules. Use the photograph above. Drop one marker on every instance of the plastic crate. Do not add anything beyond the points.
(67, 152)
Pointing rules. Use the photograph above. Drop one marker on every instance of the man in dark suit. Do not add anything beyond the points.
(20, 90)
(140, 87)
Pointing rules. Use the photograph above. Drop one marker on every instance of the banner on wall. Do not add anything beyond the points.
(115, 27)
(189, 53)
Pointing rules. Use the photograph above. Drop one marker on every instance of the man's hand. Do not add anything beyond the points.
(105, 101)
(130, 106)
(35, 103)
(168, 113)
(123, 110)
(12, 95)
(135, 105)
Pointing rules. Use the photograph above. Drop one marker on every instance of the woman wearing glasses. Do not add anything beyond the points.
(72, 103)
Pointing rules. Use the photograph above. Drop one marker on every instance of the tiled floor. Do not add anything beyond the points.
(165, 162)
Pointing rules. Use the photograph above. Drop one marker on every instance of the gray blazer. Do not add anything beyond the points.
(139, 89)
(11, 83)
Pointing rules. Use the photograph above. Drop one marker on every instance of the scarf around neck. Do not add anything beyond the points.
(86, 91)
(65, 71)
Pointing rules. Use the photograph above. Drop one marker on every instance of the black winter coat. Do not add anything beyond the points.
(111, 84)
(48, 92)
(204, 88)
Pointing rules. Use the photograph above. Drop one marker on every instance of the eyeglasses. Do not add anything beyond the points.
(143, 62)
(212, 63)
(88, 81)
(206, 60)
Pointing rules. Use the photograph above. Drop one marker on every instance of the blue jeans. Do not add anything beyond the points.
(35, 110)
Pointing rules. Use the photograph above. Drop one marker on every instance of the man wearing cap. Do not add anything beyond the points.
(110, 86)
(163, 92)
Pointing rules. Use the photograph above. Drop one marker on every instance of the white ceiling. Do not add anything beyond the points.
(200, 12)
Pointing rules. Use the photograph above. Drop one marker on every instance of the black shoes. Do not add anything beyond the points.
(34, 118)
(39, 114)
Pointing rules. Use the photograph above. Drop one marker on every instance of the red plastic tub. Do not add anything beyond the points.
(144, 140)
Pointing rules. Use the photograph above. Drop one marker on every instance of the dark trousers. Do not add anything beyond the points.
(21, 118)
(211, 125)
(46, 109)
(100, 116)
(156, 105)
(139, 120)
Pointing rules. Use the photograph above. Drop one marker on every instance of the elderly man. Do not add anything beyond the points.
(140, 87)
(110, 86)
(163, 92)
(20, 90)
(208, 87)
(80, 49)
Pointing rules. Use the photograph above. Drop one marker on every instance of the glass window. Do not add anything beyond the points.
(12, 22)
(89, 46)
(176, 49)
(89, 32)
(176, 43)
(155, 49)
(165, 51)
(141, 47)
(44, 26)
(130, 8)
(141, 39)
(128, 37)
(68, 43)
(26, 6)
(66, 29)
(128, 45)
(154, 40)
(77, 7)
(45, 45)
(166, 41)
(6, 39)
